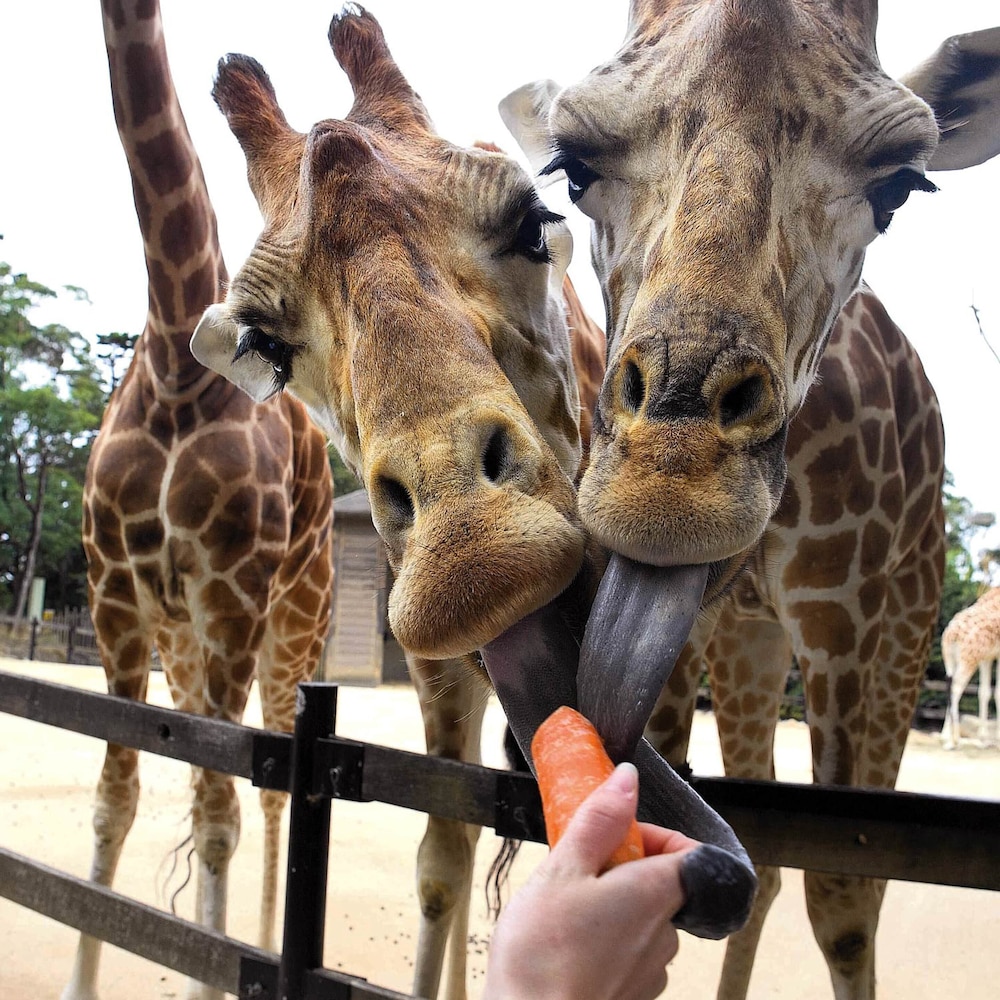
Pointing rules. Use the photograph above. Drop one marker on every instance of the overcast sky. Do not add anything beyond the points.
(67, 216)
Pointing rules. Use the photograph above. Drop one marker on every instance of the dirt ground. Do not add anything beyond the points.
(933, 941)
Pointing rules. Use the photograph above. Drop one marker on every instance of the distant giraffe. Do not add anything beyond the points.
(207, 517)
(971, 641)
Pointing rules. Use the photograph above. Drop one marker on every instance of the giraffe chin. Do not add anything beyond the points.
(533, 667)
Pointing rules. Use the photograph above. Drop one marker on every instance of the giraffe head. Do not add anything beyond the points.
(408, 291)
(736, 157)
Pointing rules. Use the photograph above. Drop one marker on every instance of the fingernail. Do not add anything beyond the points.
(625, 779)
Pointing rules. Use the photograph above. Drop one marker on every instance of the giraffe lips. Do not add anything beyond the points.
(638, 625)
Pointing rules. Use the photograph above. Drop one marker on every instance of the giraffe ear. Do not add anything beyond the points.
(525, 112)
(961, 82)
(214, 345)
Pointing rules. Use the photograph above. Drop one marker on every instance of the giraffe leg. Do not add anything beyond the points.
(289, 656)
(960, 674)
(669, 731)
(748, 662)
(214, 684)
(844, 913)
(950, 731)
(862, 743)
(669, 726)
(117, 798)
(985, 670)
(996, 704)
(272, 804)
(453, 701)
(117, 794)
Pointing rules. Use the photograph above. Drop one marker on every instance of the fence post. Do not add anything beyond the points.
(34, 638)
(70, 636)
(308, 843)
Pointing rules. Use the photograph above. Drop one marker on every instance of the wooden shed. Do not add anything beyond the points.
(360, 648)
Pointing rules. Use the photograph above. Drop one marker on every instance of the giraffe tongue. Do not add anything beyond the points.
(640, 620)
(533, 667)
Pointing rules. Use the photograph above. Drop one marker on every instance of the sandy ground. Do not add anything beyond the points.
(933, 941)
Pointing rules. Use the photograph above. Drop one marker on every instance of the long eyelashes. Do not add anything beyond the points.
(270, 350)
(891, 194)
(530, 239)
(578, 175)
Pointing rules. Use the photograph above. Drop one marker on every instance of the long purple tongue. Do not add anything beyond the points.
(533, 669)
(637, 628)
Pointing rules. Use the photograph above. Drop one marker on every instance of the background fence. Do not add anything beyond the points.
(68, 637)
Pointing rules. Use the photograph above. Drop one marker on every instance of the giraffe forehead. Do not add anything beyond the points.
(720, 67)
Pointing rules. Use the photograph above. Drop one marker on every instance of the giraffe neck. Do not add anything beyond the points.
(179, 233)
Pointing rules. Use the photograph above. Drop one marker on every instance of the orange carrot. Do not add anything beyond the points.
(570, 761)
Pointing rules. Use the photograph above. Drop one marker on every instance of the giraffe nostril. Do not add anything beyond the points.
(497, 458)
(396, 501)
(740, 402)
(633, 387)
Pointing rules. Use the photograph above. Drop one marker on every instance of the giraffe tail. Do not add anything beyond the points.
(949, 654)
(500, 869)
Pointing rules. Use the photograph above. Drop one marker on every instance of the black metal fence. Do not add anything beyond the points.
(65, 637)
(897, 835)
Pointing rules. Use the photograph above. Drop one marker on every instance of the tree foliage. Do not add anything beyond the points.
(51, 400)
(344, 481)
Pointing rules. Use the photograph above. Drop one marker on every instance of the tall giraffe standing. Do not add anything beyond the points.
(971, 641)
(848, 579)
(736, 158)
(411, 293)
(207, 517)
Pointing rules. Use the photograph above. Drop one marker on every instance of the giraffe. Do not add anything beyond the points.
(207, 517)
(411, 293)
(848, 579)
(735, 158)
(970, 640)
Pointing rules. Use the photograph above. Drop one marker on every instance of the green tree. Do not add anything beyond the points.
(344, 481)
(116, 352)
(51, 400)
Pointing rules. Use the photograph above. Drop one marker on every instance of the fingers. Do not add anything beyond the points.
(658, 840)
(599, 825)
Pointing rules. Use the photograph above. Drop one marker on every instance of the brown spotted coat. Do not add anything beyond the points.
(207, 518)
(847, 579)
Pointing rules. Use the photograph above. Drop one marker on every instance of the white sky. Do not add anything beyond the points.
(66, 207)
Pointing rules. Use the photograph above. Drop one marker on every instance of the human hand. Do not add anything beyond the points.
(570, 932)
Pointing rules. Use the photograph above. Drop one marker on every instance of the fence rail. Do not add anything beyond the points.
(66, 637)
(69, 637)
(897, 835)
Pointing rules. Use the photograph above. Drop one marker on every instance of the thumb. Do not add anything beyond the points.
(600, 824)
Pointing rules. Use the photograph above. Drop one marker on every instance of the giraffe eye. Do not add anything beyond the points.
(270, 349)
(530, 238)
(890, 194)
(579, 176)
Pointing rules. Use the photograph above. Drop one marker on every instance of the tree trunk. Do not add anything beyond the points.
(34, 540)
